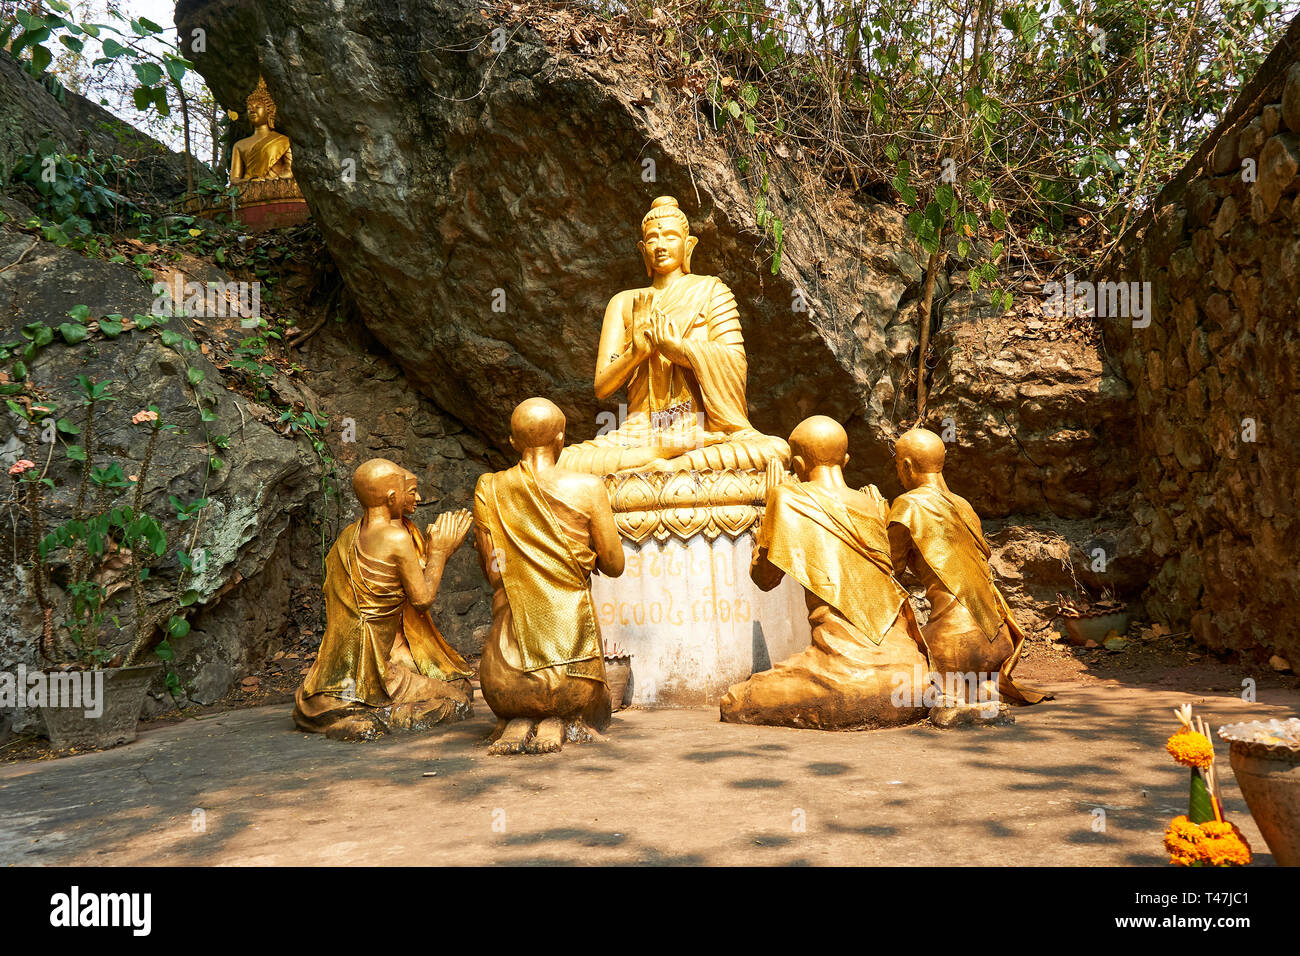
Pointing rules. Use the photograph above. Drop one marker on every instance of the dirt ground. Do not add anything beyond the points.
(1155, 660)
(1081, 780)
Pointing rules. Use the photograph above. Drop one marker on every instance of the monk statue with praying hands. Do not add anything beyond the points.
(382, 664)
(973, 641)
(677, 346)
(866, 645)
(541, 530)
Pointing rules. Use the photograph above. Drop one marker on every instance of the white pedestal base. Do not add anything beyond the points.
(693, 620)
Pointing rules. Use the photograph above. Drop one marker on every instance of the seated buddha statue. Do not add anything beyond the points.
(265, 154)
(676, 345)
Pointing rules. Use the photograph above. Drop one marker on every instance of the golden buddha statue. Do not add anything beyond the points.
(865, 641)
(937, 536)
(677, 346)
(382, 664)
(266, 154)
(540, 531)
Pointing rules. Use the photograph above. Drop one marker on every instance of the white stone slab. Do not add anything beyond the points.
(693, 620)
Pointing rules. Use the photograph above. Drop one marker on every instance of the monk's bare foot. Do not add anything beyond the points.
(357, 727)
(498, 730)
(549, 737)
(514, 738)
(581, 732)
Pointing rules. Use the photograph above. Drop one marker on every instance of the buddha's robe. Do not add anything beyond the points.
(695, 417)
(266, 158)
(970, 629)
(543, 657)
(866, 646)
(380, 658)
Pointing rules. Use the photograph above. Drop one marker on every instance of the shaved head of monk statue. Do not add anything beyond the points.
(541, 530)
(382, 664)
(973, 640)
(866, 646)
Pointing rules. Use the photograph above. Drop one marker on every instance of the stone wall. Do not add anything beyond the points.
(1216, 375)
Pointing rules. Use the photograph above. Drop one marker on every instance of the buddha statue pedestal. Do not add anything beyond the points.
(262, 204)
(685, 607)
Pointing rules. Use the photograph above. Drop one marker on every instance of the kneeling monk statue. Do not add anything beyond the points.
(382, 664)
(937, 535)
(540, 530)
(866, 653)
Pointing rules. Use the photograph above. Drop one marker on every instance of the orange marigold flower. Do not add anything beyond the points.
(1213, 843)
(1191, 749)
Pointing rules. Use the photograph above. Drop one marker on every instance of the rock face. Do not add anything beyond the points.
(1216, 376)
(261, 490)
(482, 200)
(28, 114)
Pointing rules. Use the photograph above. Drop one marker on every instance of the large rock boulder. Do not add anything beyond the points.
(262, 488)
(482, 190)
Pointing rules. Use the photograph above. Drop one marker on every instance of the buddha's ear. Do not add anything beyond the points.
(691, 243)
(796, 464)
(846, 459)
(645, 257)
(391, 497)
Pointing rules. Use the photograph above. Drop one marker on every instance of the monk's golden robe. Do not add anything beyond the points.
(544, 656)
(380, 658)
(261, 158)
(696, 415)
(865, 642)
(970, 629)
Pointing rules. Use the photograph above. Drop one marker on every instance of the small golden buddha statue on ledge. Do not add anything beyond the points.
(266, 154)
(677, 346)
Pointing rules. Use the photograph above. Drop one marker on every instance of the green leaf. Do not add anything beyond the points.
(110, 327)
(733, 108)
(189, 597)
(176, 69)
(1200, 808)
(80, 312)
(67, 427)
(40, 58)
(113, 49)
(194, 375)
(75, 44)
(178, 626)
(143, 96)
(72, 334)
(76, 453)
(147, 72)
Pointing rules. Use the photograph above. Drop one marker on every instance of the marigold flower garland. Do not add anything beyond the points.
(1202, 837)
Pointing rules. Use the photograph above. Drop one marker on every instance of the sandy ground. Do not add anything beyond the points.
(668, 786)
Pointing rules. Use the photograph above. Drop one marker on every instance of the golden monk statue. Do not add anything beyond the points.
(865, 640)
(540, 530)
(382, 664)
(265, 154)
(677, 347)
(937, 535)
